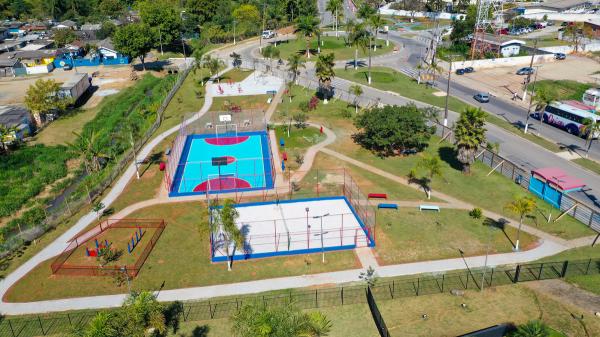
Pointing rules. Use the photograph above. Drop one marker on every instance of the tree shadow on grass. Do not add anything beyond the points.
(499, 224)
(152, 160)
(448, 155)
(199, 331)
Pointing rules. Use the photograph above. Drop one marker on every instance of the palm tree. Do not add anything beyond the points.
(531, 329)
(590, 128)
(357, 91)
(309, 27)
(318, 325)
(336, 8)
(213, 64)
(295, 62)
(432, 167)
(521, 206)
(365, 11)
(543, 97)
(145, 311)
(376, 22)
(198, 55)
(225, 229)
(358, 37)
(469, 132)
(270, 52)
(88, 148)
(325, 73)
(100, 325)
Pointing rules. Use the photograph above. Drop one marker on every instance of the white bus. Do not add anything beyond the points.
(592, 97)
(569, 115)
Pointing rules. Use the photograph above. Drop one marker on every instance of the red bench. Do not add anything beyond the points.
(284, 156)
(377, 196)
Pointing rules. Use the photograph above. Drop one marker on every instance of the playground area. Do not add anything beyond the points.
(256, 84)
(112, 246)
(294, 227)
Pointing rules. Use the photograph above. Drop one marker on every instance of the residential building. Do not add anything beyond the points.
(67, 24)
(8, 66)
(109, 54)
(17, 117)
(594, 27)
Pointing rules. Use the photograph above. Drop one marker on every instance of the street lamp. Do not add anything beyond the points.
(322, 244)
(307, 228)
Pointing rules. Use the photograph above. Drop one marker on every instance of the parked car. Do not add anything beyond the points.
(503, 31)
(469, 70)
(525, 71)
(460, 71)
(482, 97)
(550, 23)
(268, 34)
(560, 56)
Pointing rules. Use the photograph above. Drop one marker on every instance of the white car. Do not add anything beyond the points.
(268, 34)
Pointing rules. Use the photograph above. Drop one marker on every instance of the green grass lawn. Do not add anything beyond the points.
(331, 44)
(514, 304)
(236, 75)
(565, 89)
(188, 99)
(591, 165)
(297, 143)
(408, 235)
(388, 79)
(61, 130)
(547, 41)
(587, 282)
(254, 102)
(180, 259)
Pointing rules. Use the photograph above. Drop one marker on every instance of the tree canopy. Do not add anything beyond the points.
(41, 98)
(392, 129)
(134, 40)
(161, 16)
(469, 132)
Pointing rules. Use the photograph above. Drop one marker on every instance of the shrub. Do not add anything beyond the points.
(313, 103)
(476, 213)
(300, 120)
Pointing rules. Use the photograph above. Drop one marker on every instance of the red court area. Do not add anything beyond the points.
(226, 140)
(222, 184)
(131, 240)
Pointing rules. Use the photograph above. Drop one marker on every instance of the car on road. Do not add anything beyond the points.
(525, 71)
(460, 71)
(482, 97)
(560, 56)
(268, 34)
(469, 70)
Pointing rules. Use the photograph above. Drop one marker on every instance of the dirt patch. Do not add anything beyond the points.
(567, 293)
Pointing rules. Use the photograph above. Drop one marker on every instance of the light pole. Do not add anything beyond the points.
(322, 244)
(160, 40)
(234, 32)
(487, 253)
(530, 66)
(307, 228)
(451, 57)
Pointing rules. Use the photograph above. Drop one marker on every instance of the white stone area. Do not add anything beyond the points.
(255, 84)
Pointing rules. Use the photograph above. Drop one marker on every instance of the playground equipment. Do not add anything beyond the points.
(133, 243)
(377, 196)
(98, 250)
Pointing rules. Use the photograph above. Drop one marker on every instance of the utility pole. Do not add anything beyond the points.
(160, 39)
(531, 101)
(447, 91)
(234, 32)
(530, 66)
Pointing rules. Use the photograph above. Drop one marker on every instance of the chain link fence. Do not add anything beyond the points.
(434, 283)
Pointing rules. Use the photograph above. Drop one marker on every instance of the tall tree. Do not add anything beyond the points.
(433, 168)
(270, 52)
(336, 8)
(205, 10)
(87, 146)
(227, 233)
(135, 40)
(295, 63)
(325, 73)
(591, 129)
(162, 17)
(247, 18)
(63, 36)
(7, 135)
(544, 95)
(41, 98)
(469, 132)
(213, 64)
(521, 206)
(390, 130)
(358, 37)
(357, 91)
(309, 27)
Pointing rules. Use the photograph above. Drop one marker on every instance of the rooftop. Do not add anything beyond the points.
(559, 178)
(13, 115)
(76, 78)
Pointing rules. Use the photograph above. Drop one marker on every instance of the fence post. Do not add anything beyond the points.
(540, 272)
(418, 285)
(210, 310)
(517, 272)
(41, 326)
(69, 318)
(587, 270)
(316, 298)
(492, 277)
(342, 295)
(467, 284)
(12, 332)
(564, 269)
(443, 281)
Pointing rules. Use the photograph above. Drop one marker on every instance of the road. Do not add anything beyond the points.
(513, 147)
(328, 19)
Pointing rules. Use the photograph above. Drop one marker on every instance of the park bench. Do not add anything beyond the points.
(429, 208)
(389, 206)
(377, 196)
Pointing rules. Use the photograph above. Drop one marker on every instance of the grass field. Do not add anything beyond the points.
(189, 98)
(61, 130)
(297, 143)
(591, 165)
(547, 41)
(331, 44)
(407, 235)
(236, 75)
(180, 259)
(587, 282)
(565, 89)
(505, 304)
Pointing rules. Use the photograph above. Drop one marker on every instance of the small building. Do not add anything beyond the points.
(594, 27)
(38, 45)
(4, 33)
(89, 31)
(592, 97)
(17, 117)
(35, 61)
(8, 46)
(506, 48)
(8, 66)
(109, 54)
(67, 24)
(35, 27)
(551, 183)
(75, 87)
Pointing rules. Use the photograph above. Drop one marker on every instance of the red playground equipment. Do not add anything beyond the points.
(99, 246)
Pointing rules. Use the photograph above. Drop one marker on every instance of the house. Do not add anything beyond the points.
(35, 61)
(17, 117)
(14, 29)
(38, 44)
(35, 27)
(506, 48)
(88, 31)
(109, 54)
(557, 6)
(593, 26)
(9, 46)
(67, 24)
(4, 33)
(8, 66)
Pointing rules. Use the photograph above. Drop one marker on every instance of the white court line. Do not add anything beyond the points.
(185, 166)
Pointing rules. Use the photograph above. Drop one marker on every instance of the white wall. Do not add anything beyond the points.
(43, 69)
(107, 53)
(385, 10)
(589, 47)
(503, 62)
(562, 16)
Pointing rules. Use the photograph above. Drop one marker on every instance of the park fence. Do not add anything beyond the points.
(66, 205)
(426, 284)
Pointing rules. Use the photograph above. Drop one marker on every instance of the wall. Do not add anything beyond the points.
(503, 62)
(42, 69)
(589, 47)
(562, 16)
(385, 10)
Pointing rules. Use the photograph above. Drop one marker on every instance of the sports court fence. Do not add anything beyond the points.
(427, 284)
(61, 267)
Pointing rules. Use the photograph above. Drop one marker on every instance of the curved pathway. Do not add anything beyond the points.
(550, 245)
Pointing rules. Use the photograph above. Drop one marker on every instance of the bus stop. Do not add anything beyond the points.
(551, 183)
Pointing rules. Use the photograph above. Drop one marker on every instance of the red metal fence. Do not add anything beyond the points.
(59, 265)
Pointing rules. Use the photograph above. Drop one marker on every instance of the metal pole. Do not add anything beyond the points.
(160, 40)
(234, 32)
(322, 247)
(531, 101)
(530, 66)
(487, 252)
(447, 93)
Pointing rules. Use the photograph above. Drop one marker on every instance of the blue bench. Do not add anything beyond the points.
(392, 206)
(281, 142)
(429, 208)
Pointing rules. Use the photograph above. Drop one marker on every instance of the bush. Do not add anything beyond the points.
(314, 102)
(476, 213)
(300, 120)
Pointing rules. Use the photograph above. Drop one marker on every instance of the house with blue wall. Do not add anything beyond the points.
(109, 54)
